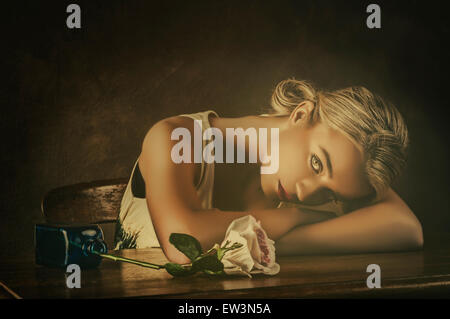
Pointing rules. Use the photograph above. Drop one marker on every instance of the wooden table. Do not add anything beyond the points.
(416, 274)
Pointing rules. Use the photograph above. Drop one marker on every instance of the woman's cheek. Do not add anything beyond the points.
(292, 160)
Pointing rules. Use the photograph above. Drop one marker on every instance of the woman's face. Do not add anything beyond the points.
(316, 164)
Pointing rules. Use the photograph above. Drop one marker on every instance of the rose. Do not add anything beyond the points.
(257, 253)
(251, 252)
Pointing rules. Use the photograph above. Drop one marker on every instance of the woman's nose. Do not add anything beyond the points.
(300, 191)
(305, 188)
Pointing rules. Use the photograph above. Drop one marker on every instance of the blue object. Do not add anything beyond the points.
(62, 245)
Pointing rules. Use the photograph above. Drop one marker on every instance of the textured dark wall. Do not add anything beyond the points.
(76, 104)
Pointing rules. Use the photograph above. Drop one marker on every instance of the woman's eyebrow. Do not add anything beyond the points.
(327, 157)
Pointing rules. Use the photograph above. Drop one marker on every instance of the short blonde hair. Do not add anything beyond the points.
(375, 126)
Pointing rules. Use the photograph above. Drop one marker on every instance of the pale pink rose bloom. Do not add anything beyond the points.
(257, 254)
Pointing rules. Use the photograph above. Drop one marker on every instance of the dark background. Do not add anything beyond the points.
(76, 104)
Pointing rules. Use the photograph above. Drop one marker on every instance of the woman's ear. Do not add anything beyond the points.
(302, 113)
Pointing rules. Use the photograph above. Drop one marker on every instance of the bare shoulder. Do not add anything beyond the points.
(164, 128)
(155, 158)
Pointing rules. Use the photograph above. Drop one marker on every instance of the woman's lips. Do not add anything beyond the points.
(282, 194)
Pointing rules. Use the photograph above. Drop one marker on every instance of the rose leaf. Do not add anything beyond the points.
(207, 263)
(187, 244)
(177, 270)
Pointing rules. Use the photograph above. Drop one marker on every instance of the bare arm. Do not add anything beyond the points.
(386, 226)
(174, 205)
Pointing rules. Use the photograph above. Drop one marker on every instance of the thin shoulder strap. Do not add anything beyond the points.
(204, 117)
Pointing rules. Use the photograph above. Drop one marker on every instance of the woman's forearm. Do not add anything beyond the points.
(363, 231)
(209, 226)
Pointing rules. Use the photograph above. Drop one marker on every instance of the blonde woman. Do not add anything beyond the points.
(339, 153)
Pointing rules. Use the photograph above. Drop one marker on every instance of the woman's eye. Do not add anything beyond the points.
(316, 164)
